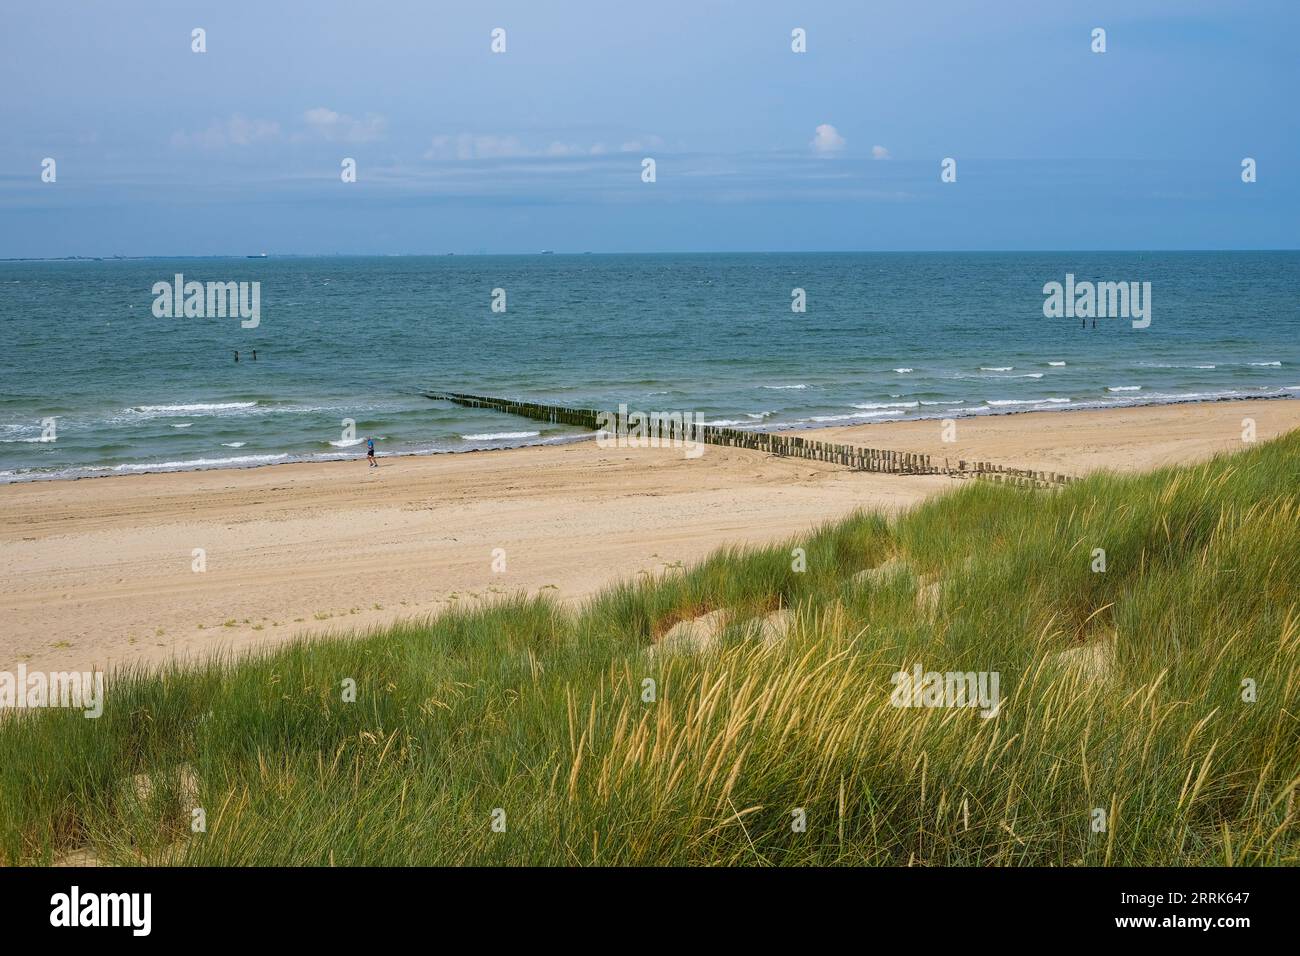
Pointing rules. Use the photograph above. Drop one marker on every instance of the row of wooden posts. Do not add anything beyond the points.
(786, 446)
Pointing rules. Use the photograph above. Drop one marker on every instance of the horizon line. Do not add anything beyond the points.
(81, 257)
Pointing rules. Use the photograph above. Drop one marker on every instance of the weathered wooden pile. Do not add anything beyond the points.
(787, 446)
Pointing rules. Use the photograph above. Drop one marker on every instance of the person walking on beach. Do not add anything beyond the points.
(370, 452)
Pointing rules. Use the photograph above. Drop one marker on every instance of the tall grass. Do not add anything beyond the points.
(541, 711)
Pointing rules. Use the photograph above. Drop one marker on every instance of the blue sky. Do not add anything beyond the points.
(161, 150)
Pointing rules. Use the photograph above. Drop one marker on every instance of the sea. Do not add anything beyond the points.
(94, 382)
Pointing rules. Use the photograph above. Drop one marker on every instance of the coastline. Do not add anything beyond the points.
(99, 574)
(823, 429)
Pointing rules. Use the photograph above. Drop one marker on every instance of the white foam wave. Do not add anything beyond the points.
(191, 409)
(857, 416)
(498, 436)
(997, 402)
(199, 463)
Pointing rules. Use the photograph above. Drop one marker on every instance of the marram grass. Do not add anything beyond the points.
(535, 715)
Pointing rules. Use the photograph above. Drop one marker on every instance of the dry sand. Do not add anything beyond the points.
(98, 572)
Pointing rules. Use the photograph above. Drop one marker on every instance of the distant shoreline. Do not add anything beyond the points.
(714, 252)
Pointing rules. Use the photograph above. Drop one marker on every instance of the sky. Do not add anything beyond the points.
(161, 150)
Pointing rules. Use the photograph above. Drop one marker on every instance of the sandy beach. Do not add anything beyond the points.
(100, 572)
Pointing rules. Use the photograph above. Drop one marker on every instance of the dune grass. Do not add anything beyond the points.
(540, 717)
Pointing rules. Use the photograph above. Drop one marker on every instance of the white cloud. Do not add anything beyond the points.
(879, 152)
(341, 128)
(321, 122)
(471, 146)
(827, 140)
(489, 146)
(236, 131)
(641, 144)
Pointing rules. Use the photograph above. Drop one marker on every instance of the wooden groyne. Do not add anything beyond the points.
(855, 457)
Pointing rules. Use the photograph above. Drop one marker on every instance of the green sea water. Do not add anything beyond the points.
(92, 382)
